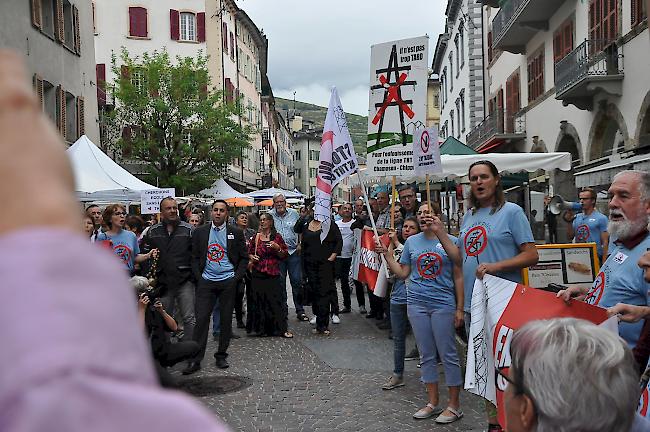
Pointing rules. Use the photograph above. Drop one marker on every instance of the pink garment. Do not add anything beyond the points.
(74, 356)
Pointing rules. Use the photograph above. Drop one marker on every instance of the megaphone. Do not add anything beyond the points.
(558, 204)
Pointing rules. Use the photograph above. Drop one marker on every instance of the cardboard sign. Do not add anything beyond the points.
(563, 264)
(150, 199)
(426, 151)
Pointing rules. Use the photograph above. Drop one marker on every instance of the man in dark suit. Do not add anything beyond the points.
(219, 260)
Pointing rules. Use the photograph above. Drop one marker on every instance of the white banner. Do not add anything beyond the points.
(426, 151)
(337, 160)
(398, 104)
(150, 199)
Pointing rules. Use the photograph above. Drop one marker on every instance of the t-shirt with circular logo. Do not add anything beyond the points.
(431, 280)
(125, 246)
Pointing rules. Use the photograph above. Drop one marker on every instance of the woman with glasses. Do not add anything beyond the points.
(495, 238)
(434, 298)
(124, 243)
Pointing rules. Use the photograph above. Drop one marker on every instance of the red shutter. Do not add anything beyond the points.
(227, 90)
(174, 29)
(100, 72)
(77, 34)
(224, 36)
(81, 117)
(38, 88)
(138, 22)
(232, 46)
(200, 26)
(37, 15)
(60, 110)
(60, 22)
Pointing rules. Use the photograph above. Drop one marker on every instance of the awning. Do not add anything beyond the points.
(603, 174)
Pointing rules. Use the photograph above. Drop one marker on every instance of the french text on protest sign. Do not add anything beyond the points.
(398, 101)
(150, 199)
(426, 152)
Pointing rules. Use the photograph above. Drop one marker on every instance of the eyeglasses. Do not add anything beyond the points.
(519, 388)
(502, 374)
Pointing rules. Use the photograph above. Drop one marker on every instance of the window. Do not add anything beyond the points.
(451, 117)
(536, 75)
(458, 121)
(297, 155)
(436, 101)
(563, 41)
(513, 101)
(296, 172)
(451, 72)
(462, 108)
(137, 22)
(188, 27)
(639, 11)
(312, 172)
(59, 20)
(312, 190)
(457, 54)
(49, 101)
(224, 37)
(603, 20)
(232, 46)
(442, 89)
(313, 155)
(461, 33)
(100, 74)
(45, 11)
(138, 79)
(71, 117)
(490, 52)
(68, 25)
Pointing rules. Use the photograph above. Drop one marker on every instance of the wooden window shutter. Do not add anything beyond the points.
(100, 72)
(81, 117)
(77, 33)
(127, 138)
(200, 26)
(232, 46)
(60, 22)
(224, 36)
(60, 110)
(138, 22)
(38, 89)
(174, 27)
(37, 14)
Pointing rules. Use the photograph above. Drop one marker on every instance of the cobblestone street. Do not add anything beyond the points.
(319, 383)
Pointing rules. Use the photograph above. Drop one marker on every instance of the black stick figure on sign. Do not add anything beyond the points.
(475, 242)
(393, 94)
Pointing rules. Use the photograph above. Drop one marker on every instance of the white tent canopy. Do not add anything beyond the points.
(99, 178)
(458, 165)
(222, 190)
(269, 193)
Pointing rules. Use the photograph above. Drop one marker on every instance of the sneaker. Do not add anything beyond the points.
(336, 319)
(393, 382)
(412, 355)
(362, 310)
(312, 321)
(419, 365)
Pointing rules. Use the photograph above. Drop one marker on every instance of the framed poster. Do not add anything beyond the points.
(563, 264)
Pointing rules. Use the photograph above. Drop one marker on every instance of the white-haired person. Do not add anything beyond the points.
(569, 375)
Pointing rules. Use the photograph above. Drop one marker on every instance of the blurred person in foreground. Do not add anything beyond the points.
(50, 381)
(569, 375)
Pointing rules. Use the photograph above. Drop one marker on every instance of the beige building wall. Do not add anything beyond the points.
(433, 102)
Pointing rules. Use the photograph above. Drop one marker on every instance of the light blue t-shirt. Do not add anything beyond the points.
(125, 246)
(217, 264)
(431, 281)
(587, 229)
(620, 280)
(490, 238)
(398, 294)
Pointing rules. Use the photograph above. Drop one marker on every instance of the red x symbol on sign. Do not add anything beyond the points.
(393, 96)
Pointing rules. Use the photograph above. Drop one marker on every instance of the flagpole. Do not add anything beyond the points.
(372, 219)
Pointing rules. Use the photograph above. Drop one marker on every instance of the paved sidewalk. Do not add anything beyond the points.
(319, 383)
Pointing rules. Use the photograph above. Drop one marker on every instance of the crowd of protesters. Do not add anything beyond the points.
(565, 374)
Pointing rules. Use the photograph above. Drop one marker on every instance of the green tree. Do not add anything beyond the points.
(184, 133)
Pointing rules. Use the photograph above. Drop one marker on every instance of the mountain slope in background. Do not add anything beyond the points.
(357, 124)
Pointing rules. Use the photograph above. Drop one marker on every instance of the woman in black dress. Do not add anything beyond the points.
(266, 249)
(319, 258)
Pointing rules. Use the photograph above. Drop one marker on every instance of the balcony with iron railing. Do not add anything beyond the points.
(595, 66)
(519, 20)
(498, 126)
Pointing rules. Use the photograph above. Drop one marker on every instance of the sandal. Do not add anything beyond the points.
(287, 335)
(428, 411)
(445, 419)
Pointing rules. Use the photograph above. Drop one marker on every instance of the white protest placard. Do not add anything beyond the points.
(426, 151)
(398, 104)
(150, 199)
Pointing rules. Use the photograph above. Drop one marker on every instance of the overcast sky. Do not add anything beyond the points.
(317, 44)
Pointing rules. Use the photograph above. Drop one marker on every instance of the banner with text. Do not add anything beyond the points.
(369, 267)
(426, 152)
(499, 307)
(150, 199)
(398, 103)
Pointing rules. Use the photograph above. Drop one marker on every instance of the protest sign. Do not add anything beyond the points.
(398, 101)
(563, 264)
(150, 199)
(499, 307)
(426, 152)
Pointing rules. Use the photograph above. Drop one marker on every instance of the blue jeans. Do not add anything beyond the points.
(216, 314)
(293, 264)
(184, 294)
(435, 335)
(398, 322)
